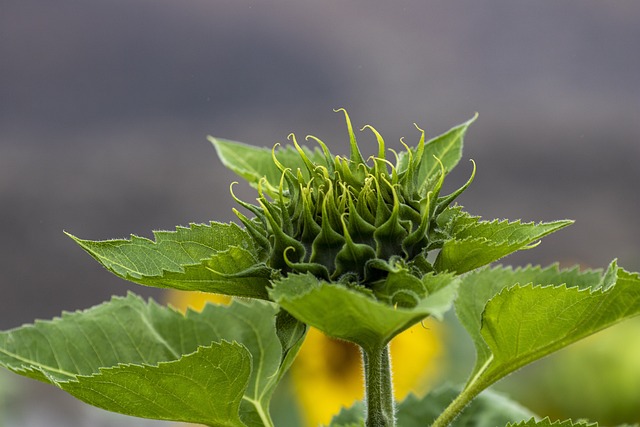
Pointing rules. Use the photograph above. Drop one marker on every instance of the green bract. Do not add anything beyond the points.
(347, 220)
(359, 248)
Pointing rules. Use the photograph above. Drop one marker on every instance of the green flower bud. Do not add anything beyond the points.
(351, 220)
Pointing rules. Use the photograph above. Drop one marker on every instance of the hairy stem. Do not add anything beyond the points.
(379, 388)
(457, 405)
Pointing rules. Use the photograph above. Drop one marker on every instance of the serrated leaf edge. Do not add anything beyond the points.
(500, 222)
(547, 421)
(180, 268)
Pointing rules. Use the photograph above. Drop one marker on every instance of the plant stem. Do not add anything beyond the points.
(456, 406)
(379, 388)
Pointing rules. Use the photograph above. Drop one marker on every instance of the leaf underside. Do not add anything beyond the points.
(356, 316)
(195, 258)
(473, 243)
(218, 367)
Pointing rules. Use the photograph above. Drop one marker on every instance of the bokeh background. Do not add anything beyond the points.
(105, 105)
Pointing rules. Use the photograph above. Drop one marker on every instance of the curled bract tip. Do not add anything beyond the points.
(404, 144)
(286, 258)
(231, 190)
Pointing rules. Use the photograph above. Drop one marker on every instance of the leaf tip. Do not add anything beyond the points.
(81, 242)
(215, 142)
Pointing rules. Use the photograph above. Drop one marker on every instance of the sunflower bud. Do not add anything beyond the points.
(351, 220)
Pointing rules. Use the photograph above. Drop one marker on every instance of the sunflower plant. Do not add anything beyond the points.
(361, 250)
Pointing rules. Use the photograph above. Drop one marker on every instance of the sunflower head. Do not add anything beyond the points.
(349, 219)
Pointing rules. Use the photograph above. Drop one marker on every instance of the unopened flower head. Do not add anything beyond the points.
(351, 220)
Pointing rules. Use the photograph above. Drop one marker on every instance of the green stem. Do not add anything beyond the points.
(379, 388)
(388, 383)
(457, 405)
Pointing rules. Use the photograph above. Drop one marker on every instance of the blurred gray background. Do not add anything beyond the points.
(105, 105)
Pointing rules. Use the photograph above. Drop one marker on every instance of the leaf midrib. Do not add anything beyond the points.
(37, 365)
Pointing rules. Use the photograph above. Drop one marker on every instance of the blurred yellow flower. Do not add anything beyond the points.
(195, 300)
(327, 373)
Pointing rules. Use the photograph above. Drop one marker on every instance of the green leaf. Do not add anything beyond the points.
(218, 367)
(291, 334)
(217, 258)
(171, 251)
(350, 417)
(233, 272)
(254, 163)
(523, 323)
(178, 391)
(478, 287)
(447, 148)
(546, 422)
(356, 316)
(474, 243)
(489, 409)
